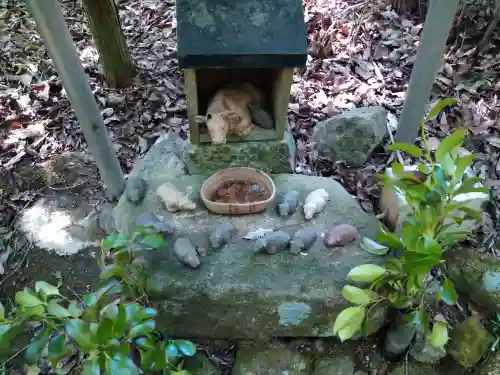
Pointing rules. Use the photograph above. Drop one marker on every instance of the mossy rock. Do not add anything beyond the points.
(200, 365)
(470, 342)
(270, 359)
(413, 368)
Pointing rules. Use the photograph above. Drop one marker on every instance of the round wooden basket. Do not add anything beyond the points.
(213, 183)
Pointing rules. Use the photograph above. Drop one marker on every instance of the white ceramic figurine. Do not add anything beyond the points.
(315, 202)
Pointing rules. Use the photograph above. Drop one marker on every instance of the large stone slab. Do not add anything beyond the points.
(268, 156)
(238, 294)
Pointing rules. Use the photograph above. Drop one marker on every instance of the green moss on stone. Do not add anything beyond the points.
(277, 359)
(470, 342)
(270, 156)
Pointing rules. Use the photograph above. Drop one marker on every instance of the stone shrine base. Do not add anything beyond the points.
(238, 294)
(268, 156)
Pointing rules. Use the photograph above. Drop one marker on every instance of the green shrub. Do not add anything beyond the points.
(425, 235)
(113, 327)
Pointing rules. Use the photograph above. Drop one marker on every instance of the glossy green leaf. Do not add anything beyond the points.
(111, 270)
(432, 247)
(108, 288)
(74, 310)
(121, 321)
(356, 295)
(120, 365)
(438, 107)
(397, 168)
(5, 330)
(90, 299)
(452, 238)
(133, 311)
(148, 312)
(145, 343)
(2, 312)
(366, 273)
(186, 347)
(468, 189)
(411, 150)
(46, 290)
(145, 327)
(80, 332)
(420, 263)
(114, 241)
(473, 214)
(419, 319)
(104, 331)
(34, 349)
(91, 367)
(27, 298)
(57, 350)
(172, 351)
(54, 308)
(373, 247)
(390, 239)
(348, 322)
(154, 240)
(152, 359)
(110, 311)
(447, 293)
(423, 168)
(462, 163)
(451, 141)
(439, 335)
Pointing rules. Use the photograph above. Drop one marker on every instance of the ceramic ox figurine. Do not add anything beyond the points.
(229, 113)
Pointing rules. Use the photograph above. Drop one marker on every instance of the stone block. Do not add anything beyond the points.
(238, 294)
(274, 156)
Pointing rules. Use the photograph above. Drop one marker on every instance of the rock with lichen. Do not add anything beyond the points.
(470, 342)
(352, 136)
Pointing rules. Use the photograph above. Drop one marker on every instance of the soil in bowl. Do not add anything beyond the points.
(238, 191)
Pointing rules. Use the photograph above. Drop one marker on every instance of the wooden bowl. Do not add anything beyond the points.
(213, 183)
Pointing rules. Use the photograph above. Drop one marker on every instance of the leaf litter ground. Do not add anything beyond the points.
(360, 54)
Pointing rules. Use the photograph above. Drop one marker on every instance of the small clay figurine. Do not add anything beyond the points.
(315, 202)
(287, 202)
(174, 199)
(340, 235)
(303, 240)
(228, 112)
(150, 220)
(186, 252)
(272, 242)
(260, 116)
(135, 190)
(222, 234)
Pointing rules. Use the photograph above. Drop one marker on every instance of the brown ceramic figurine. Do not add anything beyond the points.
(228, 112)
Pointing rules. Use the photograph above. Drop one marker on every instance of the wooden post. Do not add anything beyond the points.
(52, 27)
(281, 99)
(437, 27)
(190, 86)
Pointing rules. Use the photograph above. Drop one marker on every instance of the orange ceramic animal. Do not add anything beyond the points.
(228, 112)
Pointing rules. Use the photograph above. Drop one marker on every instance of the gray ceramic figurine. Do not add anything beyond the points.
(185, 251)
(222, 234)
(260, 116)
(273, 242)
(303, 240)
(150, 220)
(287, 202)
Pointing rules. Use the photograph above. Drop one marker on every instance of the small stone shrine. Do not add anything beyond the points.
(223, 42)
